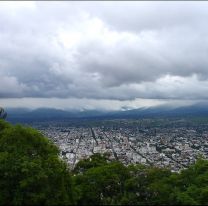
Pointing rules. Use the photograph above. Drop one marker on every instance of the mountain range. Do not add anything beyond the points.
(45, 114)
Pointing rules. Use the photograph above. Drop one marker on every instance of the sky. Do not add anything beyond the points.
(103, 55)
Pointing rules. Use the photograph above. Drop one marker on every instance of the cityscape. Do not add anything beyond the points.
(174, 147)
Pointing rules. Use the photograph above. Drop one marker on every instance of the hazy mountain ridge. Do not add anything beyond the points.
(24, 114)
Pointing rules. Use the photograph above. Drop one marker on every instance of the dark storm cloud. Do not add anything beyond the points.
(104, 50)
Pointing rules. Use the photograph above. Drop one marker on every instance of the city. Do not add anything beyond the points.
(173, 147)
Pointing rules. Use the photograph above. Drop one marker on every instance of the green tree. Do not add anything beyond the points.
(3, 114)
(95, 160)
(31, 172)
(193, 183)
(101, 184)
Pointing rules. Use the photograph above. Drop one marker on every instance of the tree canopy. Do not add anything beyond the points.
(31, 172)
(100, 181)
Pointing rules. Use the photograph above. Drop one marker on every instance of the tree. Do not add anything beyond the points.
(102, 184)
(94, 161)
(3, 114)
(31, 172)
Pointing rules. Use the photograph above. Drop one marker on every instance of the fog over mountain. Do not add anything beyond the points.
(44, 114)
(103, 55)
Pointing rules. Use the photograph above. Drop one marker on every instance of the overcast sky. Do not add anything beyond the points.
(103, 55)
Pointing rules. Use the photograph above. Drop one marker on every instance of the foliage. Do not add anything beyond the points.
(31, 171)
(3, 114)
(102, 185)
(113, 183)
(92, 162)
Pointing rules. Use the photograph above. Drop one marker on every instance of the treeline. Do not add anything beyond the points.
(31, 173)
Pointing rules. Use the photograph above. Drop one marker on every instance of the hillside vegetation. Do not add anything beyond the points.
(31, 173)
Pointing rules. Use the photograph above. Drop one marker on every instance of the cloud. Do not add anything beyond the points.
(104, 50)
(10, 87)
(89, 104)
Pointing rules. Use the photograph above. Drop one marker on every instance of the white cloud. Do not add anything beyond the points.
(104, 50)
(89, 104)
(10, 87)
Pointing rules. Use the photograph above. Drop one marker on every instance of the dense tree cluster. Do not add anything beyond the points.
(113, 183)
(32, 173)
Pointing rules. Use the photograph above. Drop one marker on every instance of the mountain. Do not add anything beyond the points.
(199, 109)
(45, 114)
